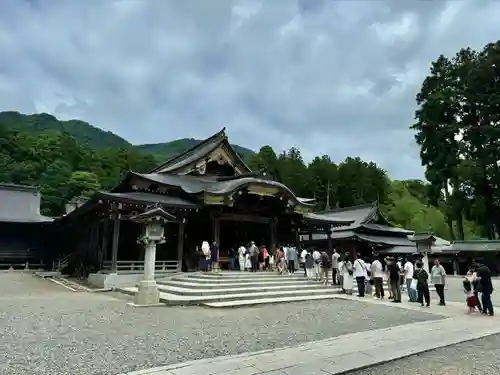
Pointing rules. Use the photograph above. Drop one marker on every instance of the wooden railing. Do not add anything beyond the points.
(131, 266)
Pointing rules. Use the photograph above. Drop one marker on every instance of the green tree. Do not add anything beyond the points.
(82, 184)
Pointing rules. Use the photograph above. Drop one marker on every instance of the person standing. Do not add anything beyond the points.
(317, 261)
(326, 264)
(214, 256)
(254, 256)
(360, 274)
(484, 277)
(335, 267)
(309, 265)
(394, 279)
(438, 278)
(422, 278)
(291, 255)
(348, 276)
(378, 278)
(408, 274)
(232, 259)
(241, 257)
(303, 255)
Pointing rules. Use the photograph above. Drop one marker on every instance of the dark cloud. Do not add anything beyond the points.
(335, 77)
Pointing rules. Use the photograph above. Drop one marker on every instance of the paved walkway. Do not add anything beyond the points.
(344, 353)
(351, 351)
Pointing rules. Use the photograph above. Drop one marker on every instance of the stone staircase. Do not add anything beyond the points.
(237, 289)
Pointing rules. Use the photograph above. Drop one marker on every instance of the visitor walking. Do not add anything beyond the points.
(254, 256)
(476, 286)
(232, 259)
(291, 255)
(438, 278)
(214, 256)
(422, 277)
(205, 248)
(303, 255)
(360, 274)
(309, 265)
(340, 275)
(378, 278)
(394, 279)
(241, 257)
(408, 274)
(326, 264)
(317, 261)
(348, 276)
(335, 267)
(484, 277)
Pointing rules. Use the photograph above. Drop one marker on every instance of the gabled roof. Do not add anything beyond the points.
(357, 215)
(199, 185)
(199, 151)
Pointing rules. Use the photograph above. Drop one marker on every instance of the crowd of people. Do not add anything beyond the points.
(369, 276)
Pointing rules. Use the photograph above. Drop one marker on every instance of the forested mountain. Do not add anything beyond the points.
(65, 167)
(95, 138)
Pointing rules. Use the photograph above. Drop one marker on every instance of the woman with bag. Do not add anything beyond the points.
(348, 276)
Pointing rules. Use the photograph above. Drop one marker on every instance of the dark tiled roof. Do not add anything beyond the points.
(199, 151)
(477, 245)
(148, 198)
(326, 219)
(385, 228)
(359, 214)
(197, 185)
(386, 240)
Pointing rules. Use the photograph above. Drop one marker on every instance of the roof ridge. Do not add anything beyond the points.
(350, 208)
(220, 134)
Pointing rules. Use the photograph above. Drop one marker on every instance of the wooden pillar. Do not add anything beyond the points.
(104, 241)
(116, 240)
(310, 236)
(330, 242)
(180, 243)
(272, 229)
(216, 236)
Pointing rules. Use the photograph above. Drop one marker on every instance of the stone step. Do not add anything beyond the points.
(237, 276)
(174, 299)
(242, 281)
(190, 291)
(262, 301)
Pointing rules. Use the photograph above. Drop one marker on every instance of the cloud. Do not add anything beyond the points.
(328, 77)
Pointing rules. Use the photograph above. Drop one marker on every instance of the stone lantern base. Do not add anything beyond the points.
(147, 294)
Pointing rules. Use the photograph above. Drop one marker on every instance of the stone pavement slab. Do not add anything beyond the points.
(343, 353)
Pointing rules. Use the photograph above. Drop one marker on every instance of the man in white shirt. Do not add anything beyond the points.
(408, 272)
(303, 254)
(317, 261)
(360, 274)
(377, 272)
(335, 266)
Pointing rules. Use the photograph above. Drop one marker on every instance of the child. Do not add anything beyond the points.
(422, 284)
(469, 292)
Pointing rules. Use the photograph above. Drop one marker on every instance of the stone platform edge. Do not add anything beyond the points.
(334, 356)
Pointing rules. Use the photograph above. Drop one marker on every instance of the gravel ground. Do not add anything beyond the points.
(474, 357)
(48, 330)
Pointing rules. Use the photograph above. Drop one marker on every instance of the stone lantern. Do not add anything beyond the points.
(424, 242)
(152, 221)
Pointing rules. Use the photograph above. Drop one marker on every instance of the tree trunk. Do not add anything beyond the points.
(460, 226)
(449, 218)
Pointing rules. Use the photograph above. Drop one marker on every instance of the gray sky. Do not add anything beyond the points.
(328, 77)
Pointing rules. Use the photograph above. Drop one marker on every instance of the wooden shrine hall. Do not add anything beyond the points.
(213, 195)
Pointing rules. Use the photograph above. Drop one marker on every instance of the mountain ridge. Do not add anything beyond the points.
(97, 138)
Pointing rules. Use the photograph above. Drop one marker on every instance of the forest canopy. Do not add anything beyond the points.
(65, 167)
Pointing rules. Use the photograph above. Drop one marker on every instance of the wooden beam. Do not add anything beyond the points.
(244, 217)
(115, 243)
(180, 244)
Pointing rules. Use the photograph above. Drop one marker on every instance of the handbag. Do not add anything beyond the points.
(413, 284)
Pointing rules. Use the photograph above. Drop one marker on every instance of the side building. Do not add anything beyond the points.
(214, 197)
(23, 230)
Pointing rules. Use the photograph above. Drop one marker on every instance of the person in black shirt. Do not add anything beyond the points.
(484, 276)
(394, 279)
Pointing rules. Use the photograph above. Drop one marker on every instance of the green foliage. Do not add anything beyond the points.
(458, 131)
(62, 167)
(65, 167)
